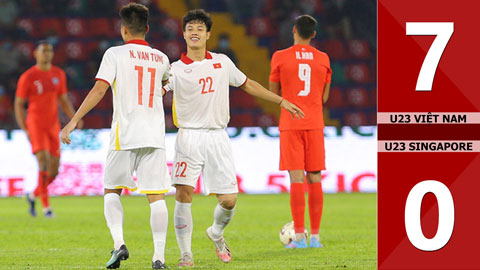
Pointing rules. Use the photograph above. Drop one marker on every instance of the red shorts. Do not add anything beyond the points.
(302, 150)
(45, 139)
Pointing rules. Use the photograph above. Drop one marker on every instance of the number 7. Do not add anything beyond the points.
(443, 31)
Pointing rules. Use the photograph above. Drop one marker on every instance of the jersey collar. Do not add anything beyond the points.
(185, 59)
(138, 41)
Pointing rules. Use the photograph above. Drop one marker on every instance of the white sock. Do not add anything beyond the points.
(159, 224)
(114, 215)
(221, 218)
(183, 226)
(299, 236)
(315, 236)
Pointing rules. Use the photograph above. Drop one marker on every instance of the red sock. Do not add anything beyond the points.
(41, 190)
(315, 206)
(297, 205)
(50, 180)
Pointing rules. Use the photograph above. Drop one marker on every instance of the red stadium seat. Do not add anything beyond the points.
(93, 121)
(76, 27)
(357, 97)
(116, 25)
(100, 27)
(173, 25)
(91, 46)
(334, 48)
(76, 97)
(106, 102)
(373, 97)
(372, 119)
(355, 119)
(335, 98)
(359, 49)
(239, 99)
(260, 27)
(26, 48)
(241, 120)
(28, 25)
(75, 50)
(50, 26)
(358, 73)
(171, 48)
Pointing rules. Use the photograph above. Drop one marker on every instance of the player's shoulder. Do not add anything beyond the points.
(57, 69)
(284, 53)
(218, 56)
(29, 72)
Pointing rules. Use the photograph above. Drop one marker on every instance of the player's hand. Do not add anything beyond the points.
(65, 136)
(295, 111)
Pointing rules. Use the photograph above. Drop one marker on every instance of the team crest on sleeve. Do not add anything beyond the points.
(217, 65)
(55, 80)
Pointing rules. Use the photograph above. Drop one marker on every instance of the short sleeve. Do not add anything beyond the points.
(170, 86)
(166, 75)
(63, 83)
(274, 69)
(22, 87)
(107, 69)
(235, 76)
(329, 70)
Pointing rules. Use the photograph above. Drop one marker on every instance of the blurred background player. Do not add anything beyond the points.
(135, 71)
(42, 86)
(302, 74)
(200, 83)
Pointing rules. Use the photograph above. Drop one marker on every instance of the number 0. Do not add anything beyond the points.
(443, 31)
(446, 215)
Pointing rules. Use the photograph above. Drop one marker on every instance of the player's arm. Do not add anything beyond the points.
(255, 89)
(326, 92)
(19, 107)
(92, 99)
(67, 107)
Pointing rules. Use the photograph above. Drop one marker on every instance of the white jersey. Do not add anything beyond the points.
(135, 72)
(201, 90)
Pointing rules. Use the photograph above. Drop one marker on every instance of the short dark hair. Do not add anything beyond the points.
(305, 25)
(134, 17)
(42, 42)
(199, 15)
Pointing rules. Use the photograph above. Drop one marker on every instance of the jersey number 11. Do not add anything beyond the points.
(140, 85)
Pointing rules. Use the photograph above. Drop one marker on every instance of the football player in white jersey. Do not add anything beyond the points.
(135, 72)
(200, 82)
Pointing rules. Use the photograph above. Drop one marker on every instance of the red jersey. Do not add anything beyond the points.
(302, 72)
(42, 89)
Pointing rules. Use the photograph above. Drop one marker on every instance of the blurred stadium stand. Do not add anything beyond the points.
(82, 30)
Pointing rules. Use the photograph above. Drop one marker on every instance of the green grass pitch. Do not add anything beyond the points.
(78, 237)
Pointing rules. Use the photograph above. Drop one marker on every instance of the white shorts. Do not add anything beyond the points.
(208, 152)
(149, 164)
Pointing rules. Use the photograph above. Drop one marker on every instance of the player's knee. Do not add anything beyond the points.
(314, 177)
(42, 162)
(228, 203)
(184, 193)
(53, 173)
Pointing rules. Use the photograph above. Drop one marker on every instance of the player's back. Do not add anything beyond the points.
(135, 72)
(302, 72)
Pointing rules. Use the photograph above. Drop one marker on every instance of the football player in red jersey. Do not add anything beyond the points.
(43, 85)
(303, 74)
